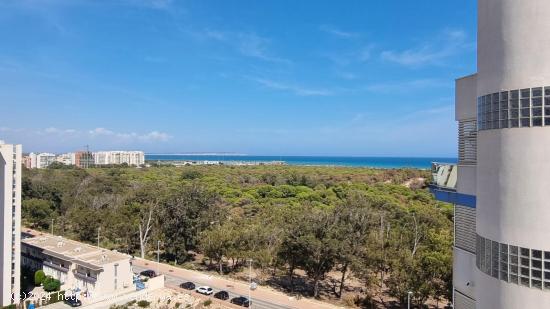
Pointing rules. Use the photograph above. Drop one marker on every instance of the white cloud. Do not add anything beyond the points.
(337, 32)
(435, 51)
(296, 89)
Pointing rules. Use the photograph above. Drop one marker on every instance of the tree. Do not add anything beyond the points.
(39, 212)
(39, 277)
(51, 285)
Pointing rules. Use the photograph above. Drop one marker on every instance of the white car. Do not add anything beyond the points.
(205, 290)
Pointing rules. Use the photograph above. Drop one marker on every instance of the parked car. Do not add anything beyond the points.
(241, 301)
(148, 273)
(187, 285)
(205, 290)
(72, 301)
(223, 295)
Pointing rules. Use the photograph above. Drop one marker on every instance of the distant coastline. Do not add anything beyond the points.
(343, 161)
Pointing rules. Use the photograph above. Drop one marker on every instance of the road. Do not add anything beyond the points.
(262, 298)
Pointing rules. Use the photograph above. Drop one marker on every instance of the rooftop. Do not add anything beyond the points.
(73, 251)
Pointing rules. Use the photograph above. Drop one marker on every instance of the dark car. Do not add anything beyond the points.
(187, 285)
(148, 273)
(72, 301)
(223, 295)
(241, 301)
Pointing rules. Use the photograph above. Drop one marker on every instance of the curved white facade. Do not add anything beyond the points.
(513, 163)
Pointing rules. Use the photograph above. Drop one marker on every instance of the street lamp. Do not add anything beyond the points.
(250, 283)
(409, 299)
(158, 256)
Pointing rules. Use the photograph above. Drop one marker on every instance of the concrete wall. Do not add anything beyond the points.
(466, 98)
(513, 44)
(464, 264)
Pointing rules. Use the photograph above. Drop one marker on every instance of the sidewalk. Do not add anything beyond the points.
(234, 286)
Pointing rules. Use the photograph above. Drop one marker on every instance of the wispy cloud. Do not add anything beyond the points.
(149, 137)
(296, 89)
(404, 86)
(338, 32)
(248, 44)
(435, 51)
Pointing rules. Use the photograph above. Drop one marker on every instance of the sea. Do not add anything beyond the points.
(376, 162)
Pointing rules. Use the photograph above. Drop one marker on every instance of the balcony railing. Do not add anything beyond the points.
(55, 266)
(84, 276)
(444, 175)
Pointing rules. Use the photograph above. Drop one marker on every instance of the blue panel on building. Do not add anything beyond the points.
(453, 197)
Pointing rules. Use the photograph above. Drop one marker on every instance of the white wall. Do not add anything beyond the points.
(464, 264)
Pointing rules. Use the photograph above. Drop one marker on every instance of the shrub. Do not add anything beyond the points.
(207, 302)
(50, 284)
(39, 277)
(143, 303)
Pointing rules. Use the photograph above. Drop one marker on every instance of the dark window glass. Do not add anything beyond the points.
(525, 103)
(514, 113)
(547, 113)
(547, 90)
(547, 101)
(504, 124)
(537, 284)
(546, 255)
(537, 254)
(547, 121)
(524, 281)
(537, 111)
(503, 266)
(536, 264)
(525, 271)
(525, 122)
(537, 122)
(537, 101)
(504, 95)
(495, 98)
(495, 123)
(547, 285)
(537, 92)
(503, 276)
(495, 115)
(514, 123)
(503, 114)
(537, 274)
(525, 93)
(524, 252)
(513, 269)
(514, 94)
(514, 104)
(514, 279)
(524, 261)
(547, 275)
(504, 105)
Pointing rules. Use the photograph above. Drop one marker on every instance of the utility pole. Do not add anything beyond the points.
(409, 299)
(250, 283)
(98, 230)
(52, 226)
(158, 257)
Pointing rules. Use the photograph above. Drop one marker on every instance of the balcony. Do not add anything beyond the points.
(443, 185)
(84, 276)
(55, 266)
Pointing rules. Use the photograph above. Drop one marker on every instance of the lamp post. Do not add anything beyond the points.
(52, 226)
(98, 230)
(158, 256)
(409, 299)
(250, 283)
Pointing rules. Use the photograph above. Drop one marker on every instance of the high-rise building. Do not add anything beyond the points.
(499, 187)
(135, 158)
(10, 216)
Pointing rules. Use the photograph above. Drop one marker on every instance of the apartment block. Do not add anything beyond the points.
(499, 186)
(83, 269)
(10, 216)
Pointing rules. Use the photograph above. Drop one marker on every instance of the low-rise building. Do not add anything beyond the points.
(66, 158)
(80, 267)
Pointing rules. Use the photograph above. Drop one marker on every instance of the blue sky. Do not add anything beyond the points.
(258, 77)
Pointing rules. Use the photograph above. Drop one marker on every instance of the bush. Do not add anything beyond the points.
(39, 277)
(207, 302)
(143, 303)
(50, 284)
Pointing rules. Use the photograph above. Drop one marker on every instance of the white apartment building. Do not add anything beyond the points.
(135, 158)
(41, 160)
(10, 216)
(84, 269)
(502, 247)
(66, 158)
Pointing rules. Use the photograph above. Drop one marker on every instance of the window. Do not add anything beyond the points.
(504, 262)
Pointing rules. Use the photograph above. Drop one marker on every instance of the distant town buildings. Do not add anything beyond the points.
(10, 229)
(85, 159)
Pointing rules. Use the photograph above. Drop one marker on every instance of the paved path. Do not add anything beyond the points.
(262, 298)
